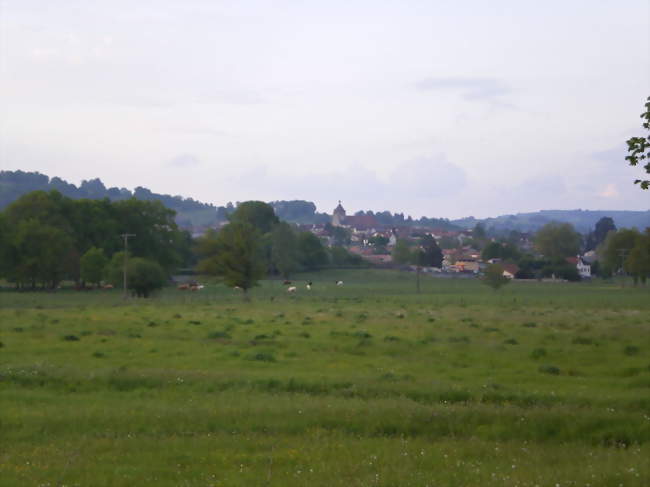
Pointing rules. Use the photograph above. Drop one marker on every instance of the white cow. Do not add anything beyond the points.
(339, 283)
(291, 289)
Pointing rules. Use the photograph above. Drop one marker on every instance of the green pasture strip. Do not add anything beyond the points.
(319, 458)
(364, 384)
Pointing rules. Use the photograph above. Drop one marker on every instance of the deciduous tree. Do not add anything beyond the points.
(144, 276)
(558, 240)
(638, 148)
(494, 277)
(238, 259)
(93, 265)
(258, 214)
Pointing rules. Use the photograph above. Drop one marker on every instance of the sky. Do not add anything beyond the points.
(436, 108)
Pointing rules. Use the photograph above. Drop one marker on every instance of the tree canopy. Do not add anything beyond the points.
(638, 148)
(45, 235)
(235, 255)
(258, 214)
(558, 240)
(494, 277)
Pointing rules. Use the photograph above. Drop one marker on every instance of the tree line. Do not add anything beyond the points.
(46, 237)
(255, 243)
(617, 251)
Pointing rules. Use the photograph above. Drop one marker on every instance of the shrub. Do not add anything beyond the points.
(362, 334)
(391, 338)
(427, 340)
(262, 357)
(511, 341)
(494, 277)
(538, 353)
(631, 350)
(98, 355)
(218, 334)
(549, 369)
(582, 341)
(71, 338)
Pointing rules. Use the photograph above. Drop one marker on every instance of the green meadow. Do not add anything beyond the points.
(367, 384)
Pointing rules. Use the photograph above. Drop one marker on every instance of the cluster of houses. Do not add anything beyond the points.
(365, 231)
(374, 242)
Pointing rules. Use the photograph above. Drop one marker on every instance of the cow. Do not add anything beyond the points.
(308, 286)
(286, 282)
(339, 283)
(183, 287)
(291, 289)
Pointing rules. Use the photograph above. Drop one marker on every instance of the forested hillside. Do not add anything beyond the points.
(14, 184)
(582, 220)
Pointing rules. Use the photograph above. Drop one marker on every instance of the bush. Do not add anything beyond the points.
(219, 334)
(494, 277)
(263, 357)
(631, 350)
(538, 353)
(549, 369)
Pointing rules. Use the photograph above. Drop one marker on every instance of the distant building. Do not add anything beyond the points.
(510, 270)
(338, 217)
(583, 268)
(467, 265)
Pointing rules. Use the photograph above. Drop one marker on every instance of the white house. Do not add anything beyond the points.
(583, 268)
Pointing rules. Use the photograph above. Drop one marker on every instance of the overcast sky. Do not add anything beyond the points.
(434, 108)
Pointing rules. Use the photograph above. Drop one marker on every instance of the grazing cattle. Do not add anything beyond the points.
(308, 286)
(339, 283)
(237, 288)
(183, 287)
(287, 283)
(107, 286)
(291, 289)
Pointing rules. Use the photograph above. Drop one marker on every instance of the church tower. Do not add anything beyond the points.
(338, 217)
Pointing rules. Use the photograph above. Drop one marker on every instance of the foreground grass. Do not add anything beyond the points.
(366, 385)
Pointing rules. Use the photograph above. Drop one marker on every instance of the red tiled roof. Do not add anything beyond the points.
(358, 221)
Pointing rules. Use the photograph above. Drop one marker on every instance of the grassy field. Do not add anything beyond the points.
(369, 384)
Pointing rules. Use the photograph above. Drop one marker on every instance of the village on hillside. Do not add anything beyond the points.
(463, 251)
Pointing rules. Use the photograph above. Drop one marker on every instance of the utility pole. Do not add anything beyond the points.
(126, 236)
